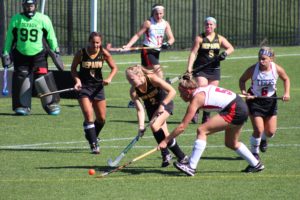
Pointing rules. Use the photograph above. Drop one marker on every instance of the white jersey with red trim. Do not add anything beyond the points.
(216, 98)
(264, 82)
(155, 34)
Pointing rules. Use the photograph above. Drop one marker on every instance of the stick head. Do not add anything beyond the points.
(111, 163)
(5, 92)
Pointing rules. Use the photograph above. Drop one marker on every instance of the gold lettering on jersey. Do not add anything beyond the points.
(28, 25)
(92, 64)
(150, 95)
(210, 46)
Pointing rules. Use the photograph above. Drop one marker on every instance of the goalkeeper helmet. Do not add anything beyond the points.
(28, 10)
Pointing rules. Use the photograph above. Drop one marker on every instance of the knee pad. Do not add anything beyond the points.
(46, 84)
(22, 89)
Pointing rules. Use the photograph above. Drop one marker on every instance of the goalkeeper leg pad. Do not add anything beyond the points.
(46, 84)
(21, 89)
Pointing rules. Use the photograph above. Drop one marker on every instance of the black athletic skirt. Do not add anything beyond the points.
(92, 92)
(262, 107)
(236, 112)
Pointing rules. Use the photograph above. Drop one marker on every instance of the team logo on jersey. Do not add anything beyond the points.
(92, 64)
(265, 82)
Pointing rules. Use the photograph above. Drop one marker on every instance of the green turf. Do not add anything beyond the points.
(46, 157)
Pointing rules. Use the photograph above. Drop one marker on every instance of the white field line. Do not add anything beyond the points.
(229, 58)
(185, 60)
(49, 145)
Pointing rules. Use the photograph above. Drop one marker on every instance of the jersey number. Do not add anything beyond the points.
(223, 91)
(30, 35)
(264, 91)
(159, 40)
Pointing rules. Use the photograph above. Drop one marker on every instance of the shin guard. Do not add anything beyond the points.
(21, 89)
(90, 132)
(160, 136)
(98, 127)
(46, 84)
(205, 116)
(173, 146)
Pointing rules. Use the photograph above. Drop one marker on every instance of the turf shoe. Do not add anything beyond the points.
(166, 160)
(95, 148)
(185, 168)
(263, 146)
(52, 109)
(250, 169)
(22, 111)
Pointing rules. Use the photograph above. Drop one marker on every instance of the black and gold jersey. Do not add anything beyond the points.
(153, 96)
(90, 72)
(208, 51)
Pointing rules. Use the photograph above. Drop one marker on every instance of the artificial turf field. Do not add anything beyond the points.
(47, 157)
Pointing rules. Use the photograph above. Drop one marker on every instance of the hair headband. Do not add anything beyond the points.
(211, 19)
(265, 52)
(158, 8)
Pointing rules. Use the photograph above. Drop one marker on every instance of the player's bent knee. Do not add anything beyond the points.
(231, 145)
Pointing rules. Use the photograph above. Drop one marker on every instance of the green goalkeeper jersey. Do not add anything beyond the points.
(27, 34)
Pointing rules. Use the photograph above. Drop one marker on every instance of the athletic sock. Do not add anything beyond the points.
(205, 116)
(90, 132)
(173, 146)
(98, 127)
(160, 136)
(245, 153)
(199, 147)
(255, 142)
(263, 136)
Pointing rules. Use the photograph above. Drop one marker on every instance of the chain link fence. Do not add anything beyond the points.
(244, 23)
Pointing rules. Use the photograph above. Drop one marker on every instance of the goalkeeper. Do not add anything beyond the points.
(24, 45)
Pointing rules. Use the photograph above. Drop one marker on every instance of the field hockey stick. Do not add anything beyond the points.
(114, 163)
(128, 163)
(4, 89)
(120, 49)
(260, 97)
(56, 92)
(197, 69)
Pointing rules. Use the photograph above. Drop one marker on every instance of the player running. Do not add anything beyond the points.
(263, 112)
(90, 83)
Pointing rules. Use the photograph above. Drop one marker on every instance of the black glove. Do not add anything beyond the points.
(6, 61)
(222, 56)
(141, 132)
(165, 45)
(56, 59)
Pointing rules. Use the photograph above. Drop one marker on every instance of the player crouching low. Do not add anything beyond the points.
(232, 113)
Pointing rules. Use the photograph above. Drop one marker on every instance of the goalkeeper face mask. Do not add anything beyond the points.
(29, 7)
